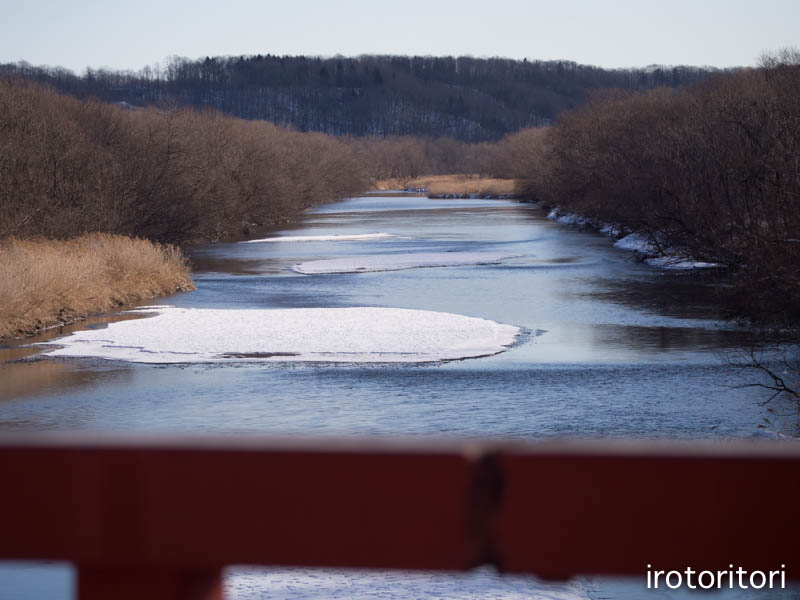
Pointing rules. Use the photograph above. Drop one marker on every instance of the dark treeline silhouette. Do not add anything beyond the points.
(472, 99)
(69, 166)
(710, 171)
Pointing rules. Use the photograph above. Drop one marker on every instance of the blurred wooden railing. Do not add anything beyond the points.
(158, 517)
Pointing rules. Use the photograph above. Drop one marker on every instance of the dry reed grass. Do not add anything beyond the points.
(456, 184)
(44, 282)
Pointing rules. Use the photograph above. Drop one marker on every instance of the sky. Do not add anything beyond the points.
(624, 33)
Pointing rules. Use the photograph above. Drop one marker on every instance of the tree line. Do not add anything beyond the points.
(177, 174)
(466, 98)
(172, 174)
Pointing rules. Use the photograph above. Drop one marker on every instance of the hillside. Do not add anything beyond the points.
(472, 99)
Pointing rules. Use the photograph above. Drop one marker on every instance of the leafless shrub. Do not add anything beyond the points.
(69, 166)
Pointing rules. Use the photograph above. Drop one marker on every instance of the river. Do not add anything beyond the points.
(609, 347)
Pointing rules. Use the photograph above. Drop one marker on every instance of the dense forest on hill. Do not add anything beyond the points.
(470, 99)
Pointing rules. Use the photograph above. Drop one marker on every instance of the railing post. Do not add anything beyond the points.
(121, 583)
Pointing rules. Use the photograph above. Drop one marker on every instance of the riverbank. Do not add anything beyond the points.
(454, 186)
(46, 283)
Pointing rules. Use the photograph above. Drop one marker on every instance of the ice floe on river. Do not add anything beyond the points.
(398, 262)
(350, 335)
(324, 238)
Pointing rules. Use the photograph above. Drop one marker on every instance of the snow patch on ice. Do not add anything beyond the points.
(398, 262)
(349, 335)
(324, 238)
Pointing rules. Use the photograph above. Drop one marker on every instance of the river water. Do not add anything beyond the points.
(611, 347)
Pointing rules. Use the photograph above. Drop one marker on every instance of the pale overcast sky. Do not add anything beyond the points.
(130, 35)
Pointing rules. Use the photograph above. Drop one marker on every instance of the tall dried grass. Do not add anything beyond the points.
(48, 282)
(456, 184)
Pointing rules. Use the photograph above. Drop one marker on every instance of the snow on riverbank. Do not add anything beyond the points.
(567, 218)
(398, 262)
(324, 238)
(351, 335)
(580, 221)
(634, 242)
(637, 242)
(676, 262)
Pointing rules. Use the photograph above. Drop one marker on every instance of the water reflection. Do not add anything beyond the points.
(24, 372)
(675, 294)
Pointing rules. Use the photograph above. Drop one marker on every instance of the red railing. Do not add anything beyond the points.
(156, 517)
